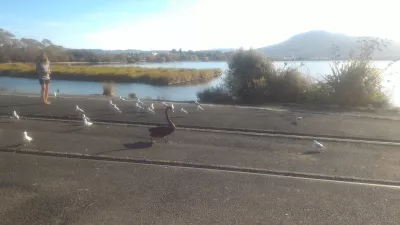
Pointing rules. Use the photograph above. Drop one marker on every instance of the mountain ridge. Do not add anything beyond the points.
(310, 45)
(318, 44)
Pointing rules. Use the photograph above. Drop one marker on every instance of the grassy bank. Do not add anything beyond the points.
(154, 76)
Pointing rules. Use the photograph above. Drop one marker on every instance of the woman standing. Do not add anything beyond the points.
(43, 71)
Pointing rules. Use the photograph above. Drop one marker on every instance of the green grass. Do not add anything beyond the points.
(155, 76)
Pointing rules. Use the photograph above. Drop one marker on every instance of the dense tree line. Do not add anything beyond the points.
(26, 50)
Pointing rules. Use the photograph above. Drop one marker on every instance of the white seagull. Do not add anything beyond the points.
(184, 111)
(164, 103)
(138, 106)
(138, 100)
(122, 98)
(150, 110)
(15, 115)
(173, 108)
(84, 117)
(152, 106)
(297, 120)
(86, 123)
(316, 145)
(199, 107)
(116, 109)
(26, 138)
(79, 110)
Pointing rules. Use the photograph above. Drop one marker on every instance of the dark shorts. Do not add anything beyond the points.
(42, 81)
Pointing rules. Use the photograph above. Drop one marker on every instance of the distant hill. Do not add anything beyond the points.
(13, 49)
(318, 44)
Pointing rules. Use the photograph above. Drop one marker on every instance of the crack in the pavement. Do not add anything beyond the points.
(225, 168)
(242, 131)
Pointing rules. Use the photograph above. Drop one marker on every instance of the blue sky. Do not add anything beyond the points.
(191, 24)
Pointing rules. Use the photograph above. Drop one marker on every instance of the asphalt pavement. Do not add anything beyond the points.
(111, 174)
(213, 116)
(48, 190)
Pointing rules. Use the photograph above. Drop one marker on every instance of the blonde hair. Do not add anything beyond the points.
(43, 58)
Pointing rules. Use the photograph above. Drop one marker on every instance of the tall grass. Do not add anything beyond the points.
(156, 76)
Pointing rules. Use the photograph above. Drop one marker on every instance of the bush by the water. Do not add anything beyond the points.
(215, 94)
(108, 89)
(253, 79)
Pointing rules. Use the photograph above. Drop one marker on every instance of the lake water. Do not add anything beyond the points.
(185, 93)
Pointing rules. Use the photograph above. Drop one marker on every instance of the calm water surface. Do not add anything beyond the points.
(185, 93)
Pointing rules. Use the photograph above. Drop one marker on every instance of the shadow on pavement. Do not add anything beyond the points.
(311, 153)
(73, 130)
(12, 146)
(28, 104)
(129, 146)
(7, 121)
(138, 145)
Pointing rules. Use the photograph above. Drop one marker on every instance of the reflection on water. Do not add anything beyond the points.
(186, 93)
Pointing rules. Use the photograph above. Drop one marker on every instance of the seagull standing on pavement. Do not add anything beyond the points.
(184, 111)
(26, 138)
(297, 120)
(116, 109)
(79, 110)
(150, 110)
(198, 105)
(86, 123)
(122, 98)
(84, 117)
(138, 106)
(15, 115)
(317, 145)
(152, 106)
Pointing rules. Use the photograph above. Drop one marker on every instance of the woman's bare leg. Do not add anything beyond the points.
(42, 92)
(47, 93)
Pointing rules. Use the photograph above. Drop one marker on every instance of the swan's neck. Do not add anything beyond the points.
(168, 119)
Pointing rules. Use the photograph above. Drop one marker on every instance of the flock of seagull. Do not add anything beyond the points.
(141, 107)
(113, 106)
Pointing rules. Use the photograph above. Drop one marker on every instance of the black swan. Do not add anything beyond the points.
(162, 131)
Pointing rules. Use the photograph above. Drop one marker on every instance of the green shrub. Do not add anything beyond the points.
(215, 94)
(109, 89)
(288, 85)
(251, 78)
(132, 95)
(357, 82)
